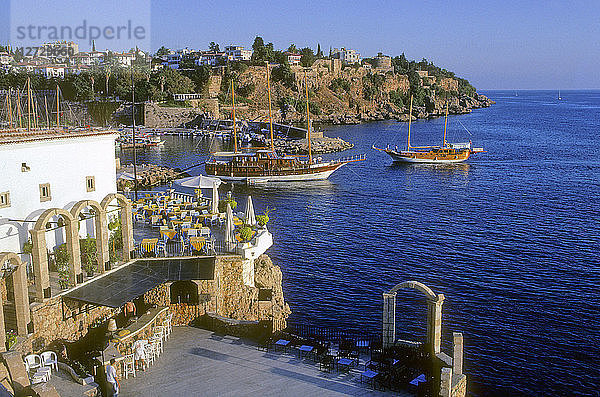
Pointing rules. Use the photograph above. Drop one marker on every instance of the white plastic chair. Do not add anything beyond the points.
(32, 361)
(192, 232)
(128, 365)
(161, 246)
(49, 359)
(150, 354)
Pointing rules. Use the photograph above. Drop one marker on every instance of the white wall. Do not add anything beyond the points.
(64, 164)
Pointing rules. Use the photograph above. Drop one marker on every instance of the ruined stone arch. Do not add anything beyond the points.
(39, 251)
(126, 220)
(21, 296)
(434, 314)
(100, 228)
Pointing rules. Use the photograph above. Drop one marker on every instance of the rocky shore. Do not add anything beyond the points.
(318, 145)
(149, 175)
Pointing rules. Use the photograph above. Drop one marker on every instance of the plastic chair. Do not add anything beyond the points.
(32, 361)
(192, 232)
(161, 246)
(149, 352)
(128, 365)
(49, 359)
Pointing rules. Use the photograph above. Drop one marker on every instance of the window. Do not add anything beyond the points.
(45, 194)
(90, 183)
(4, 199)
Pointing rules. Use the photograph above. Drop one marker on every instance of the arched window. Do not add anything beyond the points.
(184, 292)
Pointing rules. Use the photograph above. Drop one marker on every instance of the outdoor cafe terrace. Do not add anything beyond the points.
(171, 224)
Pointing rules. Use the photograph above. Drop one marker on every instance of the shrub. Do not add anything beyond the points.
(246, 233)
(223, 204)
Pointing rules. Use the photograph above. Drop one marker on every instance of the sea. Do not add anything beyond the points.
(511, 237)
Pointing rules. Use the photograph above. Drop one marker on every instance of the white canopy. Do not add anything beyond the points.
(127, 176)
(249, 215)
(198, 182)
(214, 204)
(229, 226)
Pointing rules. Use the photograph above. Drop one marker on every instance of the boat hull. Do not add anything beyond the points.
(426, 158)
(316, 174)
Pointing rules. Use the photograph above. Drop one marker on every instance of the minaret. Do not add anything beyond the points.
(93, 45)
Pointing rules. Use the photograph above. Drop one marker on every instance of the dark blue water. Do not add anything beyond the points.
(511, 238)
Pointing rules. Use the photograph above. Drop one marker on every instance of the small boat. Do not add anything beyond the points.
(258, 166)
(447, 153)
(559, 98)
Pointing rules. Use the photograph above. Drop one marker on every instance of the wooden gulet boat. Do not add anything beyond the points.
(264, 165)
(447, 153)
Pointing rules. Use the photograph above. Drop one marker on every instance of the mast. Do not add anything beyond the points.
(19, 109)
(35, 113)
(307, 120)
(135, 182)
(57, 108)
(445, 125)
(409, 120)
(9, 108)
(28, 107)
(234, 127)
(270, 115)
(46, 107)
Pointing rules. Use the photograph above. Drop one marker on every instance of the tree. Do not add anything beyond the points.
(162, 51)
(308, 57)
(176, 83)
(284, 74)
(213, 47)
(258, 50)
(319, 52)
(292, 48)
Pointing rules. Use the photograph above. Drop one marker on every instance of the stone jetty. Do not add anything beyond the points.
(318, 145)
(149, 175)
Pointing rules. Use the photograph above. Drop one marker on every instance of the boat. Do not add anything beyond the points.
(264, 165)
(447, 153)
(559, 98)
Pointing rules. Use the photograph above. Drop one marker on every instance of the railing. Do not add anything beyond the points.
(306, 330)
(351, 159)
(184, 197)
(175, 248)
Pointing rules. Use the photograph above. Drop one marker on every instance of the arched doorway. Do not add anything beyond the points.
(126, 220)
(100, 228)
(434, 314)
(20, 295)
(39, 250)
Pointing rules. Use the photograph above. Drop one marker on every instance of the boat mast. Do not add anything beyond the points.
(270, 114)
(57, 108)
(19, 108)
(28, 107)
(233, 112)
(307, 120)
(135, 182)
(46, 107)
(409, 120)
(445, 125)
(9, 108)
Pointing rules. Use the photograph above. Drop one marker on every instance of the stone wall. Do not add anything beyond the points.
(57, 319)
(156, 116)
(459, 386)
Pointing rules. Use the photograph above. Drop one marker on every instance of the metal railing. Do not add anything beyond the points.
(176, 248)
(359, 157)
(306, 330)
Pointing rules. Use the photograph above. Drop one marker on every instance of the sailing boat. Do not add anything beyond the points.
(559, 98)
(447, 153)
(263, 165)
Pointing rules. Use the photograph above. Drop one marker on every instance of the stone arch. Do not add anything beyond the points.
(434, 314)
(100, 227)
(39, 254)
(21, 295)
(126, 221)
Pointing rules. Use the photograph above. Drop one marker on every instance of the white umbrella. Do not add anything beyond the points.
(126, 176)
(198, 182)
(249, 214)
(229, 226)
(214, 205)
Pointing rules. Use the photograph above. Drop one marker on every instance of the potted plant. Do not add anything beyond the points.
(61, 260)
(246, 233)
(89, 255)
(11, 339)
(223, 204)
(263, 219)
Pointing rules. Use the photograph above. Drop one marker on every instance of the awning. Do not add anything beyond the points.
(131, 281)
(198, 182)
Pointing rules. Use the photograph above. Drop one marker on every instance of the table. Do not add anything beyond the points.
(345, 363)
(170, 233)
(304, 349)
(369, 375)
(282, 343)
(148, 244)
(197, 242)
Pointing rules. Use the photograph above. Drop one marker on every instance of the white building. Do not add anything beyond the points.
(347, 56)
(5, 58)
(293, 59)
(211, 58)
(238, 53)
(51, 71)
(50, 169)
(124, 59)
(173, 60)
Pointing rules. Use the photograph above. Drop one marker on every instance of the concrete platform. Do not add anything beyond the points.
(199, 362)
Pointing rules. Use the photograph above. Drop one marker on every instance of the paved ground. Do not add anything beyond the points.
(199, 363)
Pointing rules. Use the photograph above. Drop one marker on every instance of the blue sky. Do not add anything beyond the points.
(494, 44)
